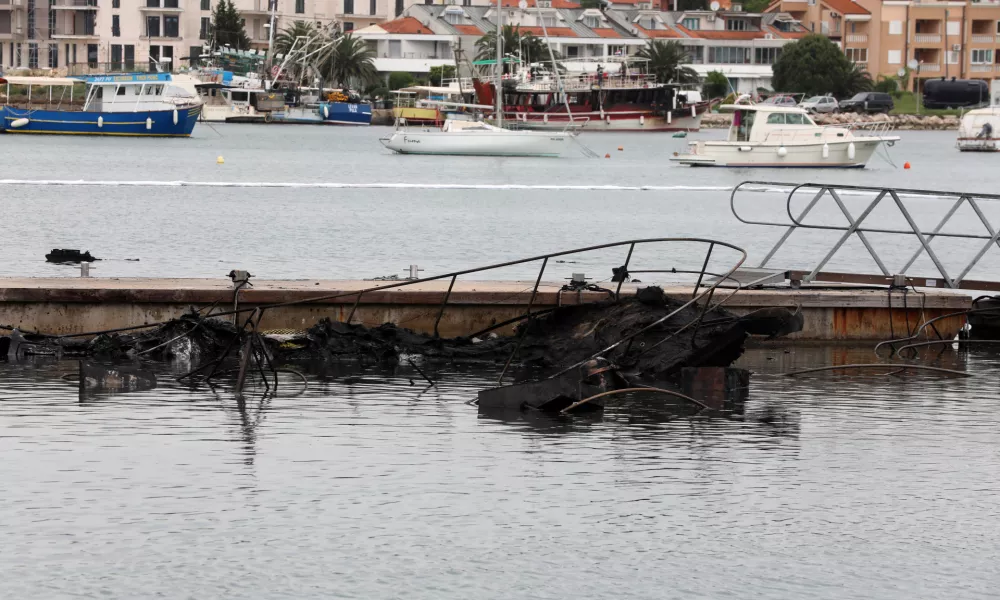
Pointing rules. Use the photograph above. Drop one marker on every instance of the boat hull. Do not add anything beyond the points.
(417, 116)
(595, 121)
(477, 143)
(157, 123)
(735, 155)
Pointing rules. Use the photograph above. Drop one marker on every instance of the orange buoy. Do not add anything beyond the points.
(906, 165)
(607, 156)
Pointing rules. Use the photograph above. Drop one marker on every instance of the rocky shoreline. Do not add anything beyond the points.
(899, 122)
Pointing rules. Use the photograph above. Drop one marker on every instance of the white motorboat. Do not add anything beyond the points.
(475, 138)
(764, 135)
(979, 130)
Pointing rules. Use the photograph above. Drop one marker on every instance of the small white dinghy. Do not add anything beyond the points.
(767, 135)
(475, 138)
(979, 130)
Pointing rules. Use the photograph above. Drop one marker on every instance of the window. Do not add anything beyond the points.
(796, 119)
(348, 26)
(52, 18)
(548, 21)
(952, 57)
(895, 57)
(32, 34)
(395, 49)
(153, 26)
(194, 56)
(982, 56)
(895, 28)
(92, 55)
(373, 7)
(129, 57)
(170, 4)
(953, 28)
(766, 56)
(776, 119)
(116, 57)
(736, 25)
(32, 55)
(153, 3)
(787, 26)
(116, 3)
(206, 4)
(120, 91)
(206, 28)
(116, 26)
(300, 7)
(592, 22)
(399, 7)
(466, 2)
(692, 23)
(171, 26)
(154, 57)
(572, 51)
(167, 52)
(729, 55)
(857, 55)
(695, 54)
(348, 7)
(453, 18)
(53, 56)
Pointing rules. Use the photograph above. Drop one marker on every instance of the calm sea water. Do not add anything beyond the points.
(826, 487)
(352, 233)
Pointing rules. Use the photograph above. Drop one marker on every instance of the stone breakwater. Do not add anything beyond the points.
(900, 122)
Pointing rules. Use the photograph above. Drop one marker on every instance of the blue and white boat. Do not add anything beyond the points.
(345, 113)
(142, 104)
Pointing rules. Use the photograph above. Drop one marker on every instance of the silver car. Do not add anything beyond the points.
(820, 104)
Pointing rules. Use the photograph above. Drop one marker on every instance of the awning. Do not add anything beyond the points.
(13, 80)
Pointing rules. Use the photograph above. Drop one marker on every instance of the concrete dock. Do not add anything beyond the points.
(76, 305)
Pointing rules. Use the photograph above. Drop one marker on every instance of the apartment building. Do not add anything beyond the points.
(742, 45)
(942, 39)
(58, 33)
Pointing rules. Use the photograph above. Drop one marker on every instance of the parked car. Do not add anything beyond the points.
(955, 93)
(820, 104)
(868, 102)
(781, 101)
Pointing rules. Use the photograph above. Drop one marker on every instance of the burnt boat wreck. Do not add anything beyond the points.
(552, 359)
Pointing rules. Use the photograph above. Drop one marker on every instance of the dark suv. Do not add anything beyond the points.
(868, 102)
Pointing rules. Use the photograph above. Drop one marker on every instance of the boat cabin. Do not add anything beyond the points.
(763, 122)
(134, 93)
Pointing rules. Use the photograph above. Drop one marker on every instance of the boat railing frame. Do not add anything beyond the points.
(856, 226)
(872, 129)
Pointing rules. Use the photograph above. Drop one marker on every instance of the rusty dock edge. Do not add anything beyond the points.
(76, 305)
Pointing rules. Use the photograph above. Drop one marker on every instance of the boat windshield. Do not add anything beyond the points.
(789, 119)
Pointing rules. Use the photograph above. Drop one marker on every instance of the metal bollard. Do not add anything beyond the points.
(85, 269)
(414, 272)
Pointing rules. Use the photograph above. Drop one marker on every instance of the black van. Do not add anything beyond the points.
(955, 93)
(867, 102)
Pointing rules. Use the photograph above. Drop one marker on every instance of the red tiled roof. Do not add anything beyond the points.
(728, 35)
(405, 25)
(531, 4)
(659, 33)
(783, 34)
(468, 29)
(846, 7)
(606, 32)
(553, 31)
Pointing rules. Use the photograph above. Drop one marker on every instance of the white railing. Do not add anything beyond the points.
(929, 67)
(860, 38)
(981, 38)
(808, 134)
(981, 68)
(862, 65)
(927, 38)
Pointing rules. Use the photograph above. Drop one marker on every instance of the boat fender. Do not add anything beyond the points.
(826, 150)
(326, 111)
(850, 151)
(16, 123)
(175, 116)
(602, 113)
(642, 121)
(782, 151)
(694, 113)
(745, 148)
(670, 117)
(268, 117)
(607, 119)
(149, 123)
(100, 122)
(545, 118)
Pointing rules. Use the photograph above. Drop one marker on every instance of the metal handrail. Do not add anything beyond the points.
(854, 226)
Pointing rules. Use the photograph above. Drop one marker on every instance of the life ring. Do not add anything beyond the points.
(268, 117)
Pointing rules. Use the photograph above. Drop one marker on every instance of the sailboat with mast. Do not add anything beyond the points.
(477, 138)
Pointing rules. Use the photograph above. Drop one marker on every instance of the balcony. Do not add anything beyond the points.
(927, 38)
(857, 38)
(985, 38)
(929, 67)
(75, 36)
(260, 7)
(981, 68)
(11, 5)
(75, 5)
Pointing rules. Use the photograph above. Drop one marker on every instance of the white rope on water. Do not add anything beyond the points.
(375, 185)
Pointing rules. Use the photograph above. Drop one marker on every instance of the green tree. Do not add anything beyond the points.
(756, 6)
(527, 46)
(667, 61)
(814, 65)
(399, 80)
(284, 40)
(439, 73)
(227, 27)
(590, 3)
(716, 84)
(349, 63)
(683, 5)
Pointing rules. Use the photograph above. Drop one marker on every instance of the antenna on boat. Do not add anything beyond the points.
(499, 76)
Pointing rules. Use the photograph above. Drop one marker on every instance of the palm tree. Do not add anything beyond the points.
(286, 38)
(529, 47)
(856, 80)
(349, 63)
(667, 61)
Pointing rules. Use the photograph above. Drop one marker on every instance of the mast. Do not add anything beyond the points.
(499, 76)
(273, 5)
